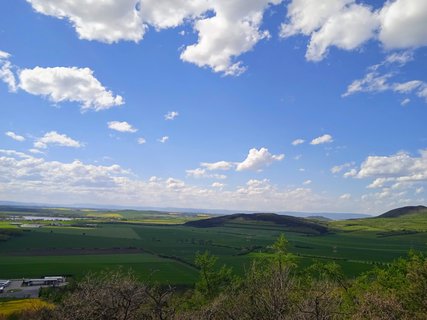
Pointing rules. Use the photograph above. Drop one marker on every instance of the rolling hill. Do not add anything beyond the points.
(405, 219)
(283, 222)
(405, 211)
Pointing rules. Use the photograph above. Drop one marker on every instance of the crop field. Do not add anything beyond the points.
(9, 307)
(165, 252)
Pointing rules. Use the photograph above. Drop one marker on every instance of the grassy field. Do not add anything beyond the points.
(165, 252)
(9, 307)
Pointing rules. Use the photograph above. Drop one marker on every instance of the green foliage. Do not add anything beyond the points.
(212, 280)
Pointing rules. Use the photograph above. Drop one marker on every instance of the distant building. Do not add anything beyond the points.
(45, 281)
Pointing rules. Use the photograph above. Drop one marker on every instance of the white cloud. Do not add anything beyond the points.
(400, 170)
(347, 30)
(345, 196)
(56, 139)
(107, 21)
(202, 173)
(400, 58)
(408, 86)
(218, 185)
(112, 21)
(36, 151)
(4, 55)
(73, 84)
(6, 74)
(404, 24)
(298, 142)
(326, 138)
(372, 82)
(375, 82)
(232, 30)
(28, 178)
(141, 140)
(350, 173)
(405, 102)
(340, 23)
(163, 139)
(15, 136)
(121, 126)
(220, 165)
(171, 115)
(171, 13)
(347, 24)
(307, 182)
(339, 168)
(257, 159)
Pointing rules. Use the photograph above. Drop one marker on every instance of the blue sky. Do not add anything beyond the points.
(202, 103)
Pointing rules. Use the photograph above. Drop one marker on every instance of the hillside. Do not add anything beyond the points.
(403, 220)
(284, 222)
(404, 211)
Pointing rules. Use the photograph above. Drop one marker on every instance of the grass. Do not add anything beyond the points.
(165, 250)
(148, 267)
(414, 222)
(7, 308)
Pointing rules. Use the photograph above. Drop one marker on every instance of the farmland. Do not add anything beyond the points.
(159, 247)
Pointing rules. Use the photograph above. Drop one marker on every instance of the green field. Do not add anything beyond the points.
(165, 252)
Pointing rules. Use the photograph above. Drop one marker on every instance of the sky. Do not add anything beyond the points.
(262, 105)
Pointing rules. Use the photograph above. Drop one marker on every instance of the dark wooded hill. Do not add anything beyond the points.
(287, 222)
(404, 211)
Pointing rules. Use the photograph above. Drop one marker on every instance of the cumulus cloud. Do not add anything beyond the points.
(56, 139)
(347, 24)
(121, 126)
(25, 173)
(6, 74)
(396, 171)
(220, 165)
(163, 139)
(298, 142)
(339, 168)
(257, 159)
(141, 140)
(233, 27)
(171, 115)
(307, 182)
(107, 21)
(326, 138)
(403, 24)
(202, 173)
(73, 84)
(35, 151)
(26, 177)
(345, 196)
(232, 30)
(218, 185)
(15, 136)
(340, 23)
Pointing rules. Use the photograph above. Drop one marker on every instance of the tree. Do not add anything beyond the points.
(212, 280)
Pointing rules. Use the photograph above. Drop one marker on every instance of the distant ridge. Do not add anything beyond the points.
(404, 211)
(291, 223)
